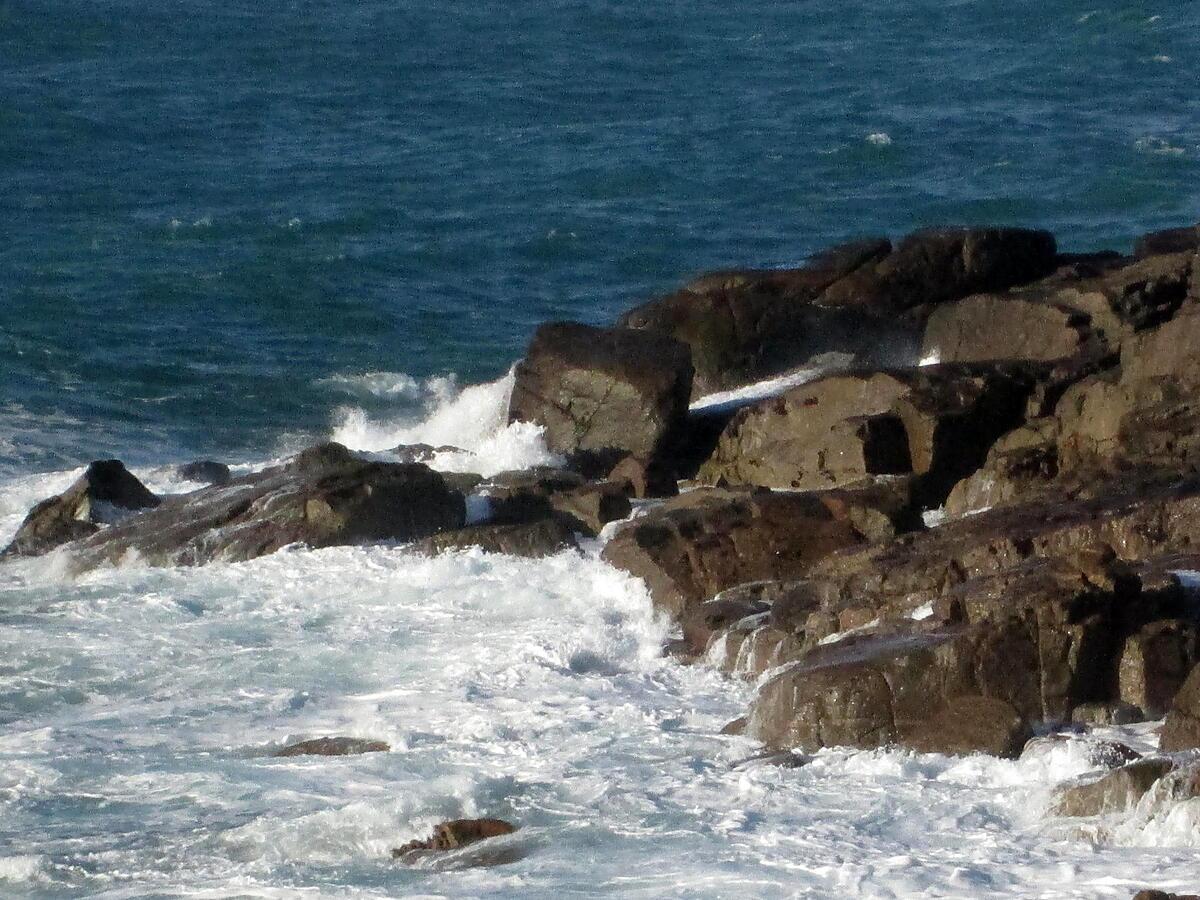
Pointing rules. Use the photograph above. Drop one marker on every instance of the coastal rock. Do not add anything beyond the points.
(937, 422)
(103, 494)
(939, 691)
(744, 326)
(205, 471)
(693, 546)
(323, 497)
(1113, 792)
(1149, 894)
(543, 537)
(1181, 730)
(1154, 663)
(1083, 314)
(455, 834)
(333, 746)
(614, 391)
(643, 478)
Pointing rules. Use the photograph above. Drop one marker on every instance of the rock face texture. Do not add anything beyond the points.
(605, 392)
(695, 545)
(323, 497)
(867, 299)
(104, 493)
(1181, 731)
(944, 691)
(1084, 310)
(205, 471)
(1115, 791)
(937, 422)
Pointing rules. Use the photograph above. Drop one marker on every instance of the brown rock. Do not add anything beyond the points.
(746, 326)
(608, 391)
(937, 422)
(1170, 240)
(1116, 791)
(934, 691)
(1155, 662)
(1181, 730)
(693, 546)
(526, 496)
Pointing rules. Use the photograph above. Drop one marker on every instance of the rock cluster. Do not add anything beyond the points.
(1039, 405)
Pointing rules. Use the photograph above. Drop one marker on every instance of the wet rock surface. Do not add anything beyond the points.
(453, 835)
(322, 497)
(205, 471)
(608, 391)
(104, 493)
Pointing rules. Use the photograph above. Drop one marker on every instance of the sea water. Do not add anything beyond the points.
(231, 229)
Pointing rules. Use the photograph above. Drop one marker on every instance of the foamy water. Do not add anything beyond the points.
(140, 707)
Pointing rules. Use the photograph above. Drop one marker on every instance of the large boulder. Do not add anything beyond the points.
(693, 546)
(105, 493)
(604, 392)
(323, 497)
(528, 495)
(940, 691)
(937, 422)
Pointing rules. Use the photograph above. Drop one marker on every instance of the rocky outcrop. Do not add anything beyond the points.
(333, 746)
(104, 493)
(866, 299)
(936, 422)
(1181, 730)
(605, 392)
(323, 497)
(695, 545)
(943, 691)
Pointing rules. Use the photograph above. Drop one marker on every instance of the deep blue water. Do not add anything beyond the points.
(208, 207)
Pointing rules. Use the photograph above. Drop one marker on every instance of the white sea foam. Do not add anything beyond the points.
(473, 419)
(770, 387)
(879, 139)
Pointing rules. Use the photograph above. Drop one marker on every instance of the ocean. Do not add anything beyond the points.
(231, 229)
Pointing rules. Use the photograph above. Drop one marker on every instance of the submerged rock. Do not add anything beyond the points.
(103, 494)
(455, 834)
(333, 746)
(323, 497)
(610, 392)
